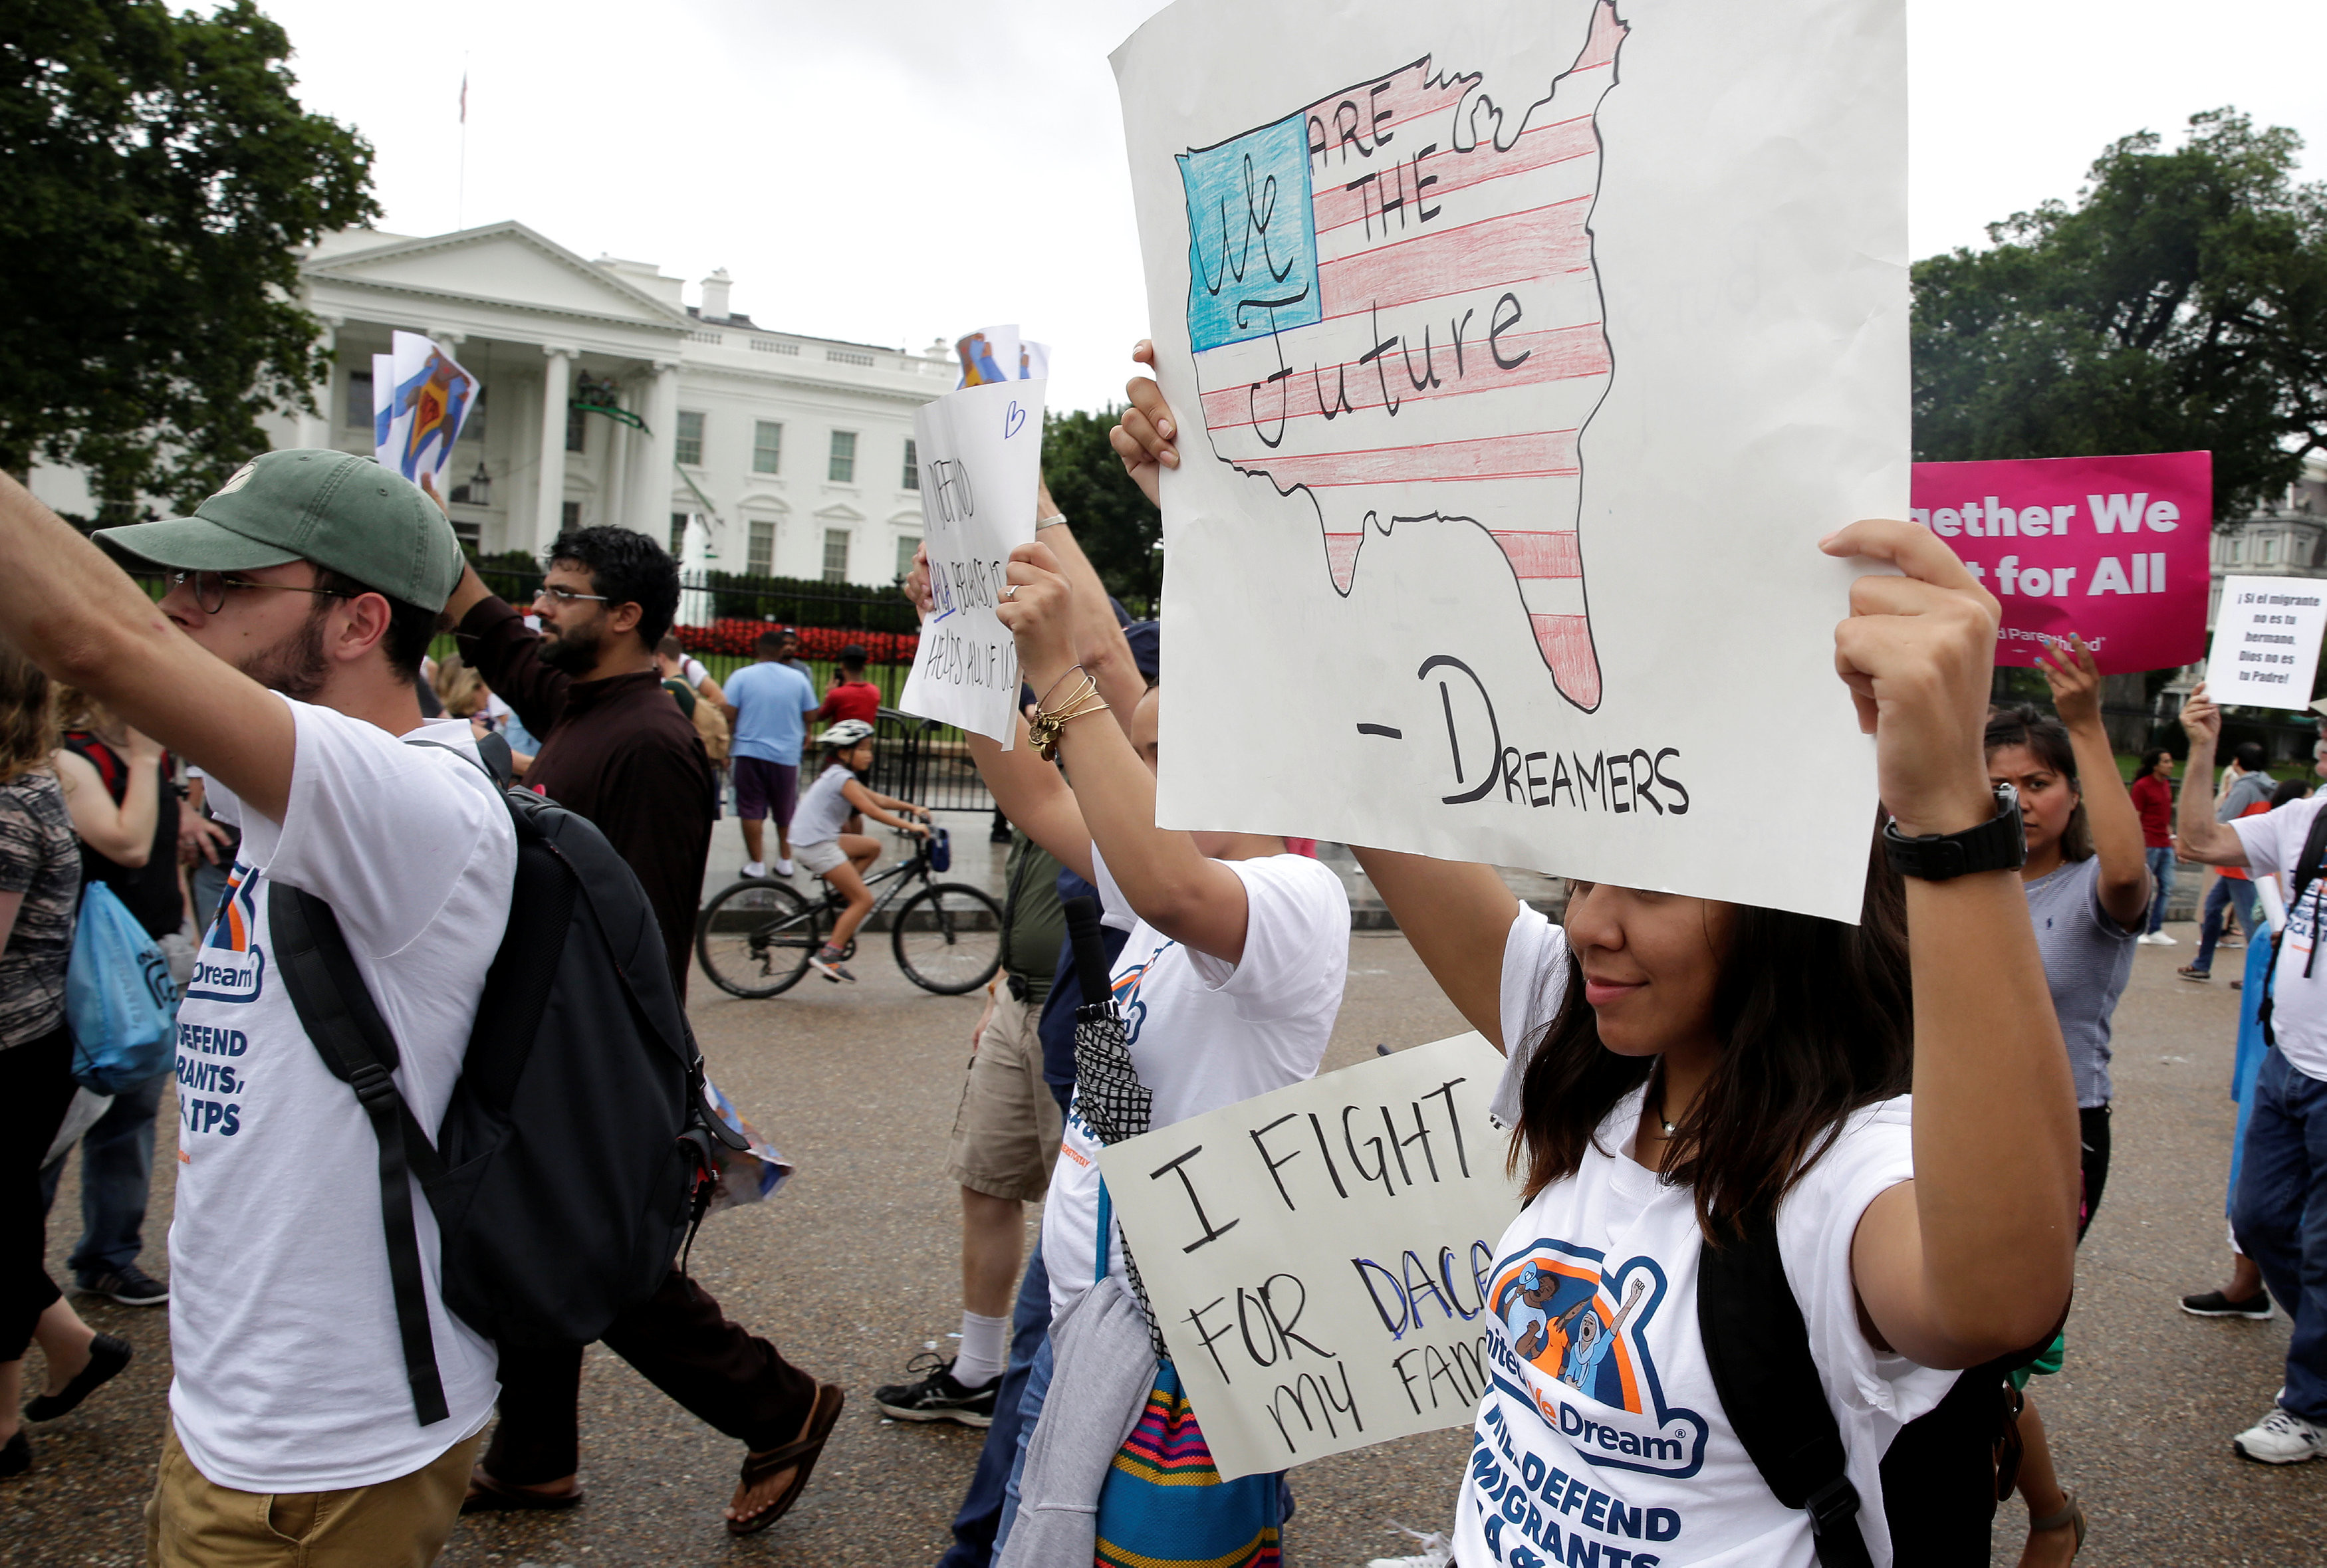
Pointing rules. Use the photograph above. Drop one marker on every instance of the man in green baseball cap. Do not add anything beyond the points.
(282, 661)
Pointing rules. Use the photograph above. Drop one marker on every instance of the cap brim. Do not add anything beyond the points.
(192, 543)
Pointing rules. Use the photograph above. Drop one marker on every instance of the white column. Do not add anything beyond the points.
(657, 455)
(316, 429)
(549, 470)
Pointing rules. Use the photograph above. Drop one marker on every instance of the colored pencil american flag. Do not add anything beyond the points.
(1394, 313)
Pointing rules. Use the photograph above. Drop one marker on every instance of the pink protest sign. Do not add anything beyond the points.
(2115, 549)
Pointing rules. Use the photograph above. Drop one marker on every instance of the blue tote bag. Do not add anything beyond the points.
(119, 998)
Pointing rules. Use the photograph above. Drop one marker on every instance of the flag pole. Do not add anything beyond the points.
(461, 198)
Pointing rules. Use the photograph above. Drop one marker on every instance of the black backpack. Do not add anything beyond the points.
(575, 1151)
(1944, 1473)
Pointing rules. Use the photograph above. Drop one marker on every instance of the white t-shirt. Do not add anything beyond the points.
(694, 672)
(2298, 1018)
(1609, 1431)
(823, 810)
(1205, 1033)
(289, 1372)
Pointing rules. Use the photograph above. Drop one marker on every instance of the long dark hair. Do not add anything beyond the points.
(1817, 1017)
(2048, 741)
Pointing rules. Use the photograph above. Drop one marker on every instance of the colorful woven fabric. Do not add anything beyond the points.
(1164, 1505)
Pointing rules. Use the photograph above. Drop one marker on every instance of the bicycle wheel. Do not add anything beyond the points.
(948, 939)
(754, 937)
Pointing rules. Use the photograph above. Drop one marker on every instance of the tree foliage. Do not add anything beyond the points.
(2181, 304)
(1114, 523)
(157, 180)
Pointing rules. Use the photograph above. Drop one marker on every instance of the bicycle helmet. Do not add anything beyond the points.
(846, 733)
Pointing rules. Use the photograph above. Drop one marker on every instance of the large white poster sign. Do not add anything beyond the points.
(1523, 351)
(1318, 1257)
(420, 398)
(2266, 649)
(981, 451)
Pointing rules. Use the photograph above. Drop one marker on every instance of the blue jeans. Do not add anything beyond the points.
(2161, 880)
(2281, 1219)
(977, 1527)
(116, 1172)
(2227, 894)
(1029, 1414)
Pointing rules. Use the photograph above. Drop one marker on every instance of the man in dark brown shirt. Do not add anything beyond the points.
(616, 750)
(614, 747)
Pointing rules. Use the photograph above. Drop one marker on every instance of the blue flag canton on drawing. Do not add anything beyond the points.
(1396, 316)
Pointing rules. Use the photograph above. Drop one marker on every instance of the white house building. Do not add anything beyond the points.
(797, 451)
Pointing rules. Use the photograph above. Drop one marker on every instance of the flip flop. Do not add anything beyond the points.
(759, 1467)
(108, 1355)
(489, 1495)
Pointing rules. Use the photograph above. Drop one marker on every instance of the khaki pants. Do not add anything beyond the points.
(192, 1522)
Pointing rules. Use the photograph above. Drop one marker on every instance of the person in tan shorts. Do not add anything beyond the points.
(1005, 1137)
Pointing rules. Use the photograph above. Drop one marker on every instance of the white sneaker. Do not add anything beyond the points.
(783, 868)
(2161, 940)
(2280, 1438)
(2146, 939)
(754, 869)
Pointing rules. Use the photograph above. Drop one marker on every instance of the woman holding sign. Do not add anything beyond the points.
(1228, 982)
(2087, 885)
(1702, 1091)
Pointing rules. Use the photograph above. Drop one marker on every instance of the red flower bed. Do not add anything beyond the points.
(738, 637)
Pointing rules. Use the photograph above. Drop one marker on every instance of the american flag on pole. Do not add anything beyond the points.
(1394, 313)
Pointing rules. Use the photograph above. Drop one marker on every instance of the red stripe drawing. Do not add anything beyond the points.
(1395, 315)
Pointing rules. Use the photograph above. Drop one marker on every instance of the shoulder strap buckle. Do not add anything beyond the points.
(374, 1086)
(1835, 1503)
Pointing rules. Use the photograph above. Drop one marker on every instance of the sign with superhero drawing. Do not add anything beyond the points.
(1522, 353)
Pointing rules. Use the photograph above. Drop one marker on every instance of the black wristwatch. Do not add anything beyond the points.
(1996, 845)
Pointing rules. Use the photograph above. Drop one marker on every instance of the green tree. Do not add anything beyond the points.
(157, 180)
(1113, 522)
(2181, 304)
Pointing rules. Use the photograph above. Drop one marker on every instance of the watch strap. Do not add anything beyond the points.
(1999, 844)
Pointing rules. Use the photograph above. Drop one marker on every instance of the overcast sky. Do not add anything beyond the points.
(893, 171)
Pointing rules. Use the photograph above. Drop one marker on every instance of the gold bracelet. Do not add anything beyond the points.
(1048, 724)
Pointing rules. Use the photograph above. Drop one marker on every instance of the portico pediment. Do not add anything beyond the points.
(839, 516)
(505, 266)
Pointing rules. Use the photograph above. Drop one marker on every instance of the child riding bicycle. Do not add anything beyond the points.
(839, 857)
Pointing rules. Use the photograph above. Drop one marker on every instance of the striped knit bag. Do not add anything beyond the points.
(1164, 1506)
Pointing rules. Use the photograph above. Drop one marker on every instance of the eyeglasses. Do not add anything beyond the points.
(211, 588)
(566, 595)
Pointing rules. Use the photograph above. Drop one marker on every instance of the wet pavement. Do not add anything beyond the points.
(854, 1267)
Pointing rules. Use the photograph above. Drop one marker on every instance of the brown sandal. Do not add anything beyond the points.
(2070, 1512)
(487, 1494)
(800, 1456)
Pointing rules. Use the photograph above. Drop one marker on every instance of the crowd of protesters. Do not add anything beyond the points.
(1912, 1111)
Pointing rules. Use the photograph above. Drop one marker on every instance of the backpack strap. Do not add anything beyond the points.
(1759, 1350)
(2306, 871)
(336, 1008)
(493, 758)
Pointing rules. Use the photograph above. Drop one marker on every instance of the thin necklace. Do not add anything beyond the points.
(1669, 1127)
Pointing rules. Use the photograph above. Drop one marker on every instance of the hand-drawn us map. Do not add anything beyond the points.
(1522, 350)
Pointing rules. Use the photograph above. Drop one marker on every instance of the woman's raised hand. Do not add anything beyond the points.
(1919, 654)
(1037, 607)
(2075, 677)
(1144, 437)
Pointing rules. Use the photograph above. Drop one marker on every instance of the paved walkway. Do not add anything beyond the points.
(853, 1270)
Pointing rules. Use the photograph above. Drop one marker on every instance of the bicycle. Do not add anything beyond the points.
(755, 936)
